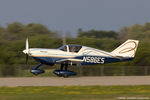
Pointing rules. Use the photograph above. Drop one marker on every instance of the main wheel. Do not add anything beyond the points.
(65, 76)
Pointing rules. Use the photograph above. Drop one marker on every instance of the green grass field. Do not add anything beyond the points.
(73, 92)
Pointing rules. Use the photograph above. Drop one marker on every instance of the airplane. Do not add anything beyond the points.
(78, 55)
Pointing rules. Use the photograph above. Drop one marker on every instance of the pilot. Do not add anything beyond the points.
(72, 49)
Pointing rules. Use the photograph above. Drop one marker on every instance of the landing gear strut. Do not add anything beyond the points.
(64, 72)
(37, 71)
(64, 66)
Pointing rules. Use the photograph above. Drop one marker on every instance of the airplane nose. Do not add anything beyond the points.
(24, 51)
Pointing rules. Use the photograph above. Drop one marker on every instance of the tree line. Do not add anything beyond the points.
(12, 42)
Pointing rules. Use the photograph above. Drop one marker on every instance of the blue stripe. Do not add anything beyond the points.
(50, 60)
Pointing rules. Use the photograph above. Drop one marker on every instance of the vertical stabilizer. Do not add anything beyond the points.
(127, 49)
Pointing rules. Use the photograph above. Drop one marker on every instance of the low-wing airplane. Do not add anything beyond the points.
(78, 55)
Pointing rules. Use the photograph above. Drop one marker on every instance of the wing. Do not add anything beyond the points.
(72, 61)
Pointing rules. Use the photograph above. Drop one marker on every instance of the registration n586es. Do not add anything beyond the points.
(89, 59)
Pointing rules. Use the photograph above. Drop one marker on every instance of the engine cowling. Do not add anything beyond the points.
(64, 73)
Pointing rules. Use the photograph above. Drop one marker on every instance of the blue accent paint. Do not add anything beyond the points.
(108, 60)
(52, 60)
(44, 60)
(36, 71)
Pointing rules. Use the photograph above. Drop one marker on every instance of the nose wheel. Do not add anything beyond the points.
(37, 71)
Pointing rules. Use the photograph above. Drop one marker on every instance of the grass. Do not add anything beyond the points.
(73, 92)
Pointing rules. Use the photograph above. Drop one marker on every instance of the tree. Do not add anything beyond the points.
(15, 28)
(98, 34)
(135, 31)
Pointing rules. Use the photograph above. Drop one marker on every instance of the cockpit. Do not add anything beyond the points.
(70, 48)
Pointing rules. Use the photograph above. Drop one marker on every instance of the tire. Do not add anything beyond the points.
(65, 76)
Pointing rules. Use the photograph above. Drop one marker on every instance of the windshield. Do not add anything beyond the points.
(63, 48)
(74, 48)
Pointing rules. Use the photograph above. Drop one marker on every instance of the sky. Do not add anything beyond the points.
(70, 15)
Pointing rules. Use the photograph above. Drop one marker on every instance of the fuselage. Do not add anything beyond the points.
(78, 55)
(86, 55)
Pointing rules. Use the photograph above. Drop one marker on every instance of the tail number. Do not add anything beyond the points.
(88, 59)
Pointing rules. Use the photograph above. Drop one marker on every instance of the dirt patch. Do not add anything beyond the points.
(81, 81)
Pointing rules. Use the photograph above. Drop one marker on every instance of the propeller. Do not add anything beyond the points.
(27, 46)
(26, 51)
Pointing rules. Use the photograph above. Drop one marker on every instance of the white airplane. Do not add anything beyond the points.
(78, 55)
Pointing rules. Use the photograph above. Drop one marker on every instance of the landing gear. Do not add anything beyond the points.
(64, 65)
(64, 72)
(37, 71)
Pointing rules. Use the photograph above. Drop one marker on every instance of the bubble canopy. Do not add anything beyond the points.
(70, 48)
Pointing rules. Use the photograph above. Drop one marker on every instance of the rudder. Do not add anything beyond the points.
(127, 49)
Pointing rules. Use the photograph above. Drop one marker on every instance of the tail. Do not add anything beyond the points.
(127, 49)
